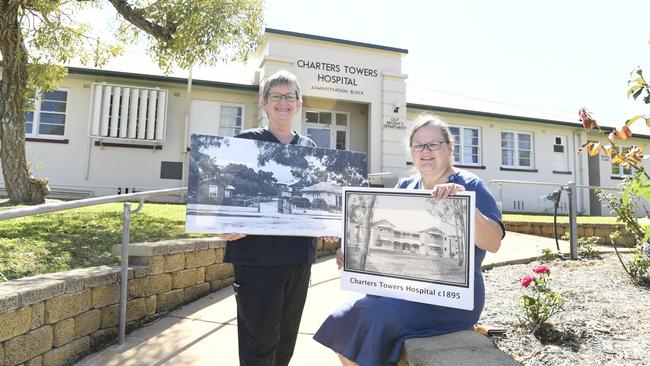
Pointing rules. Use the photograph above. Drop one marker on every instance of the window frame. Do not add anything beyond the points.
(517, 150)
(621, 170)
(461, 145)
(332, 126)
(36, 116)
(220, 124)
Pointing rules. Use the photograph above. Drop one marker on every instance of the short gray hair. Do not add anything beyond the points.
(282, 77)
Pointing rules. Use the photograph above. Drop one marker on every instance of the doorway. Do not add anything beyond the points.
(328, 129)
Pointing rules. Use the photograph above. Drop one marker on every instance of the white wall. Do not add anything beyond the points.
(81, 165)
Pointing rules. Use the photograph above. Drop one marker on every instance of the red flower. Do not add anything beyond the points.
(588, 121)
(542, 268)
(526, 280)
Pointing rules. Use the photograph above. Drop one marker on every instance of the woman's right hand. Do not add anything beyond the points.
(339, 258)
(231, 236)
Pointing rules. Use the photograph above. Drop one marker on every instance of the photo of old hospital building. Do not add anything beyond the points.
(127, 126)
(430, 242)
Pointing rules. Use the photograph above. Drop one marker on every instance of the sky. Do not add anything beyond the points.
(558, 55)
(393, 209)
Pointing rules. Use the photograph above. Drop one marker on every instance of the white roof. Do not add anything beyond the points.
(427, 97)
(457, 103)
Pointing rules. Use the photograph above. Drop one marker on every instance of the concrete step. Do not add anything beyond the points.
(460, 348)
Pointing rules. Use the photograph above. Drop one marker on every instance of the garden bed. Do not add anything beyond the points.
(604, 322)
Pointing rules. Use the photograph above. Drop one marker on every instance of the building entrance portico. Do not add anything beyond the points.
(350, 90)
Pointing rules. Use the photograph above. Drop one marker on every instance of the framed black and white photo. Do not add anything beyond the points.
(405, 244)
(256, 187)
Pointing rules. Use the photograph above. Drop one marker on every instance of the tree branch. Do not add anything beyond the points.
(137, 17)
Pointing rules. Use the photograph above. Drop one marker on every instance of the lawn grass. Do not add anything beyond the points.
(560, 218)
(81, 237)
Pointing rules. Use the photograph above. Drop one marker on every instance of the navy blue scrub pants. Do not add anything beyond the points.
(270, 300)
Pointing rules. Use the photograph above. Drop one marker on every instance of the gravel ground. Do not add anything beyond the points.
(605, 319)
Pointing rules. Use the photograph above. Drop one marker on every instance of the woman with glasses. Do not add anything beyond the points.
(271, 272)
(371, 331)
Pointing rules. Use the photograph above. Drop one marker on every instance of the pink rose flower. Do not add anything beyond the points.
(542, 268)
(526, 280)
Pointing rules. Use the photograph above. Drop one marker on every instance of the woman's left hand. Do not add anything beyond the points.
(442, 191)
(340, 260)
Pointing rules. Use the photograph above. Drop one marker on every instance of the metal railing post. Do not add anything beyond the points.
(573, 220)
(126, 228)
(124, 271)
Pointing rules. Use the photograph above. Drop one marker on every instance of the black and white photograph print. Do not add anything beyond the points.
(256, 187)
(408, 235)
(405, 244)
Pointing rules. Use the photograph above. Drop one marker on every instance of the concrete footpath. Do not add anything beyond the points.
(205, 332)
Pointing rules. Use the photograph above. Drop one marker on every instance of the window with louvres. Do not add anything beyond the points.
(128, 113)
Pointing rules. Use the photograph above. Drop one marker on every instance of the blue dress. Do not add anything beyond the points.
(371, 330)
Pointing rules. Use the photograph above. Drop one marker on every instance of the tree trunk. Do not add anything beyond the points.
(367, 228)
(20, 185)
(458, 213)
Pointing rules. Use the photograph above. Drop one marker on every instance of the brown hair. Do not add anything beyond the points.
(427, 119)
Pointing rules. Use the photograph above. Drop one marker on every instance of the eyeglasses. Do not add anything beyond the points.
(289, 97)
(431, 146)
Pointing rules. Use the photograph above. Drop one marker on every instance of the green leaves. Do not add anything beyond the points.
(635, 91)
(646, 236)
(203, 32)
(638, 85)
(539, 303)
(644, 190)
(54, 36)
(196, 32)
(630, 121)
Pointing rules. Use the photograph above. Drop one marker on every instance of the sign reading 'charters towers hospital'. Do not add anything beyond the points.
(344, 79)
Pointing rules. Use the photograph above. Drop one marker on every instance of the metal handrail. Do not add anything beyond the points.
(60, 206)
(570, 188)
(126, 229)
(499, 181)
(524, 182)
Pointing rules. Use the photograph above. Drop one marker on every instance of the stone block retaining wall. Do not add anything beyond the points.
(58, 318)
(602, 231)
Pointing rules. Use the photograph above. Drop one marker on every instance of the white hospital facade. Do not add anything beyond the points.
(108, 130)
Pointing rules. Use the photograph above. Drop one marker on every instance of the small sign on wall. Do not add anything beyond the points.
(396, 123)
